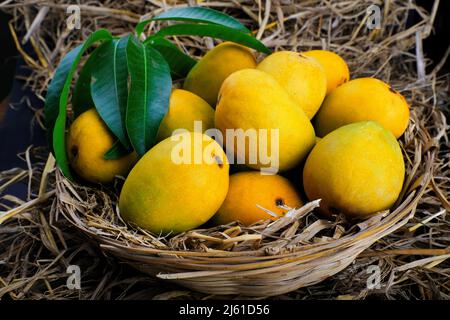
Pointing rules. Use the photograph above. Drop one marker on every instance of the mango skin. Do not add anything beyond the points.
(335, 67)
(248, 189)
(87, 142)
(357, 169)
(302, 77)
(207, 76)
(252, 99)
(185, 108)
(165, 197)
(363, 99)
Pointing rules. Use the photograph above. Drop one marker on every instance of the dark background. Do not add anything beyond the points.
(18, 130)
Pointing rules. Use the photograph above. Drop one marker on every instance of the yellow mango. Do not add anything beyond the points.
(207, 76)
(357, 169)
(249, 189)
(335, 67)
(87, 142)
(302, 77)
(363, 99)
(251, 100)
(185, 108)
(165, 194)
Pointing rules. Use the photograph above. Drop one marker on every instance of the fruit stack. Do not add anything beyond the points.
(326, 137)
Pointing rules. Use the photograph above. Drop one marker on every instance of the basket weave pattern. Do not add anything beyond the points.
(265, 259)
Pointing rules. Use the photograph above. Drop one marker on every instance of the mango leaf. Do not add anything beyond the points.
(57, 96)
(109, 87)
(196, 14)
(116, 151)
(81, 97)
(149, 93)
(215, 31)
(180, 63)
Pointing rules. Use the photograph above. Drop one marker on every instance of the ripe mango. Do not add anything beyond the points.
(357, 169)
(252, 100)
(302, 77)
(249, 189)
(166, 194)
(207, 76)
(335, 67)
(185, 108)
(87, 142)
(363, 99)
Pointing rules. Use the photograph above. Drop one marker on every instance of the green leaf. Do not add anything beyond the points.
(215, 31)
(149, 94)
(109, 86)
(179, 62)
(81, 97)
(117, 151)
(55, 108)
(196, 14)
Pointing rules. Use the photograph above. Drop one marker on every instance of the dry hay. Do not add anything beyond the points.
(39, 243)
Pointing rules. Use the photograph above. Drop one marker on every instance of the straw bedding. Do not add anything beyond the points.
(299, 256)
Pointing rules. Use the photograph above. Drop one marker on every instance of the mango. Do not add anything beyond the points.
(357, 169)
(335, 67)
(254, 103)
(302, 77)
(363, 99)
(247, 190)
(184, 109)
(207, 76)
(88, 140)
(177, 185)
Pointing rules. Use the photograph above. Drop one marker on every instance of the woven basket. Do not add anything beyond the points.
(266, 259)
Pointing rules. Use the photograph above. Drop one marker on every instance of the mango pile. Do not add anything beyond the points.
(336, 141)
